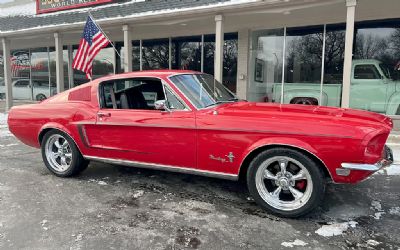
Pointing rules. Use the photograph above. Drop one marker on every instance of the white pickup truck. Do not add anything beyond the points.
(372, 88)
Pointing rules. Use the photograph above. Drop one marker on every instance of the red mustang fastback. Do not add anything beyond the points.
(187, 122)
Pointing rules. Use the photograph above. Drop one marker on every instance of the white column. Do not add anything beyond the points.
(7, 73)
(348, 52)
(59, 62)
(219, 48)
(243, 63)
(127, 48)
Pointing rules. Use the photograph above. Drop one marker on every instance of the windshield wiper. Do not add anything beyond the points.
(223, 101)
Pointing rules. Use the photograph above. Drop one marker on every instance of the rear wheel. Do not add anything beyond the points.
(304, 101)
(285, 182)
(40, 97)
(60, 154)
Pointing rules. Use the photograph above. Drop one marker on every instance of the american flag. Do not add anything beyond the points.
(92, 41)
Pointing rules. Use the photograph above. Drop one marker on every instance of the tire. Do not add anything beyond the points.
(40, 97)
(263, 186)
(65, 160)
(304, 101)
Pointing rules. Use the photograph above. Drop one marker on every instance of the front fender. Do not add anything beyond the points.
(393, 104)
(278, 141)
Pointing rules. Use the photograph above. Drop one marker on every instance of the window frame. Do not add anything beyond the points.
(101, 97)
(379, 74)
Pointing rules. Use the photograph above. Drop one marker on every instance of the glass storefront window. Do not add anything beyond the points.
(20, 74)
(136, 55)
(376, 67)
(265, 76)
(53, 78)
(186, 53)
(230, 62)
(40, 78)
(333, 65)
(2, 83)
(230, 58)
(303, 64)
(155, 54)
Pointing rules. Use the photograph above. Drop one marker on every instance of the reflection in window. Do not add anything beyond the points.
(40, 74)
(377, 54)
(155, 54)
(368, 72)
(334, 59)
(304, 55)
(186, 53)
(53, 77)
(230, 58)
(266, 65)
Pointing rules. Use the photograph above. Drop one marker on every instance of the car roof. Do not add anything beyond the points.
(147, 73)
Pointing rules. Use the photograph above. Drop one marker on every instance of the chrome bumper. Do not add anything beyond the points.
(386, 161)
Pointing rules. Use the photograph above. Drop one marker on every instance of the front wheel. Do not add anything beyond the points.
(60, 154)
(285, 182)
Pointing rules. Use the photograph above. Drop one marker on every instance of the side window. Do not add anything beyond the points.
(172, 101)
(132, 93)
(366, 72)
(22, 83)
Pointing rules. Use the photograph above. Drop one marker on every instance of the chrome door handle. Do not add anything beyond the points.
(101, 115)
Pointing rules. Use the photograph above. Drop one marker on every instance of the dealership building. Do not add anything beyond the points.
(343, 53)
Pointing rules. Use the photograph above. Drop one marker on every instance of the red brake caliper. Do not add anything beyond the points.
(301, 184)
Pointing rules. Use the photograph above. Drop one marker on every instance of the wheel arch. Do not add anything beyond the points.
(54, 126)
(261, 148)
(393, 104)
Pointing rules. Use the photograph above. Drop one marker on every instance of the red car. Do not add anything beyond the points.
(187, 122)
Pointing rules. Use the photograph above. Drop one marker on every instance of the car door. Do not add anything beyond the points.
(144, 134)
(368, 90)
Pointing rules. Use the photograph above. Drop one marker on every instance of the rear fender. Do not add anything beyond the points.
(52, 125)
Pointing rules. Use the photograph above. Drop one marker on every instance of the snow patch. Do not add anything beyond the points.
(4, 132)
(137, 194)
(394, 211)
(376, 205)
(373, 243)
(296, 242)
(393, 169)
(103, 183)
(335, 229)
(378, 215)
(43, 223)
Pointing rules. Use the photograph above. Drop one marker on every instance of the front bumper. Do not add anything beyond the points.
(386, 161)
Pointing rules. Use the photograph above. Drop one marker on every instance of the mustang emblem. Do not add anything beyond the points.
(230, 157)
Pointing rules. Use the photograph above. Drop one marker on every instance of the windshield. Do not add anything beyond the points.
(386, 71)
(203, 90)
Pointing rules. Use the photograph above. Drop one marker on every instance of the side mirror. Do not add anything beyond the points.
(161, 105)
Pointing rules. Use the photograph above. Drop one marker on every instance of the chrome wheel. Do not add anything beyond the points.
(58, 153)
(284, 183)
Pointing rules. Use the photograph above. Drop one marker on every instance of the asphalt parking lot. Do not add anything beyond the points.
(114, 207)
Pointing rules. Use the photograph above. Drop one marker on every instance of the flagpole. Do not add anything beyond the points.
(112, 44)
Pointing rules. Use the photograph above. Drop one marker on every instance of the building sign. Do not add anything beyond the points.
(45, 6)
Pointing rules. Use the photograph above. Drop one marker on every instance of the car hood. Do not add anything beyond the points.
(305, 119)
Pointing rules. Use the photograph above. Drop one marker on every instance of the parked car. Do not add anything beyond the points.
(185, 121)
(22, 90)
(372, 88)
